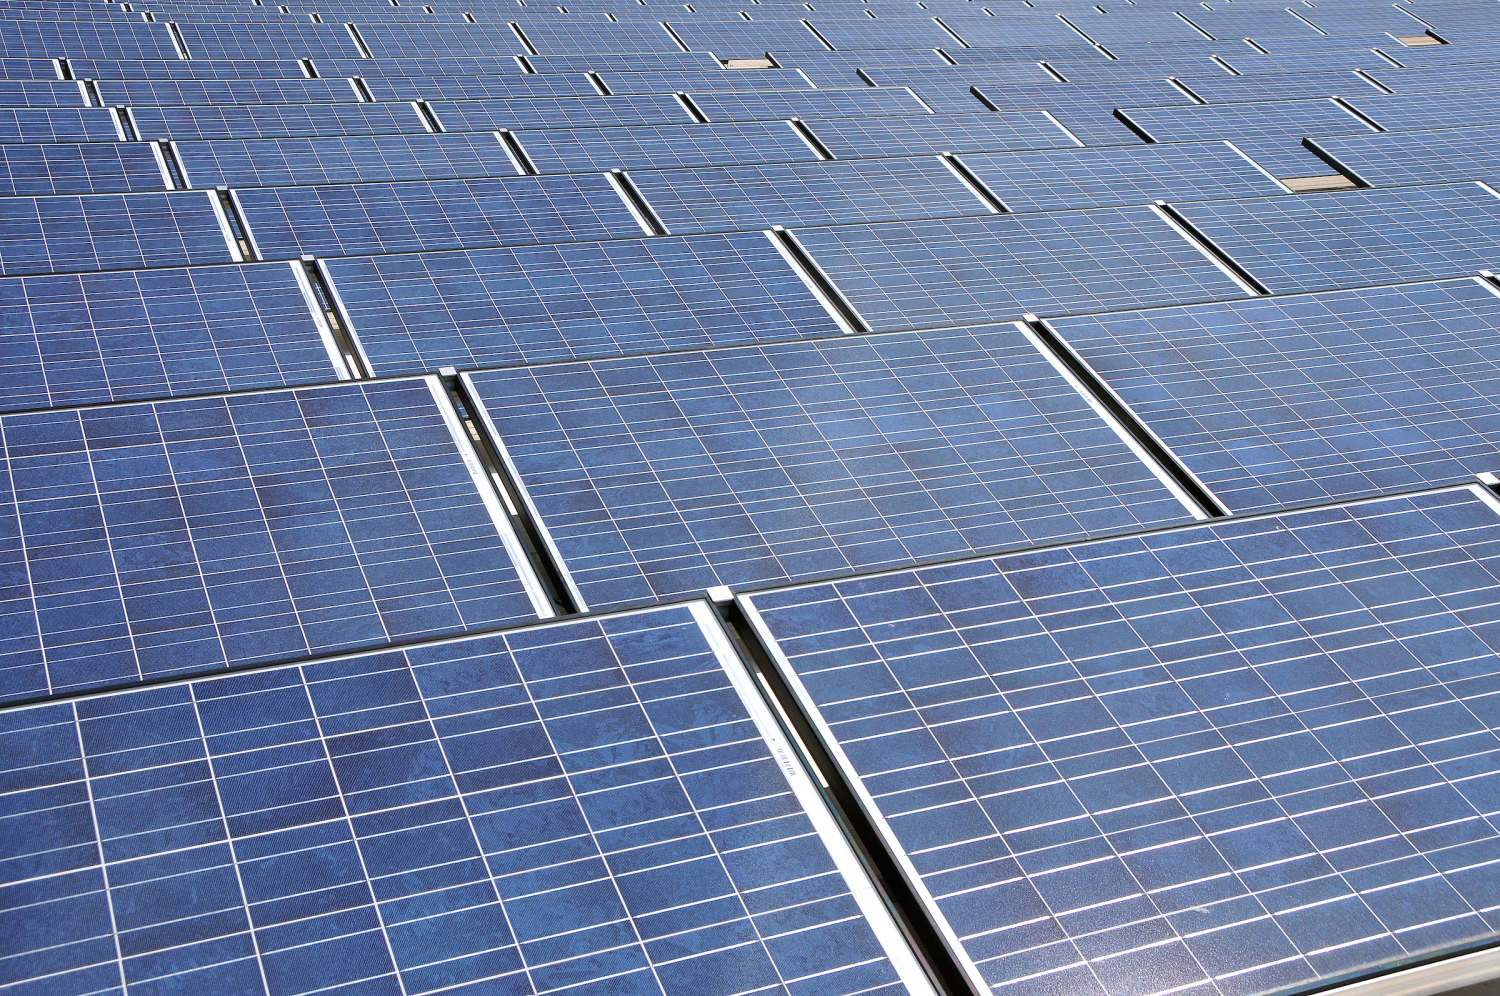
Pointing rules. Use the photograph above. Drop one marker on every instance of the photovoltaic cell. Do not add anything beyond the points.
(1224, 89)
(527, 305)
(751, 39)
(851, 32)
(1289, 401)
(183, 537)
(478, 87)
(1419, 111)
(738, 198)
(771, 105)
(1358, 238)
(173, 68)
(349, 219)
(562, 38)
(61, 234)
(40, 93)
(1240, 757)
(1271, 133)
(1054, 179)
(277, 40)
(604, 804)
(271, 162)
(86, 39)
(566, 150)
(702, 80)
(275, 120)
(57, 124)
(130, 335)
(634, 62)
(661, 477)
(857, 138)
(926, 273)
(77, 168)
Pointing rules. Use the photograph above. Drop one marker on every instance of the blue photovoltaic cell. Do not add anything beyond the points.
(183, 537)
(30, 69)
(78, 168)
(562, 38)
(275, 120)
(772, 105)
(836, 69)
(1478, 76)
(478, 87)
(60, 234)
(171, 93)
(1250, 62)
(565, 150)
(1420, 111)
(1012, 30)
(857, 138)
(590, 804)
(346, 220)
(1233, 758)
(736, 198)
(1224, 89)
(428, 64)
(1270, 133)
(1263, 23)
(115, 39)
(634, 62)
(1098, 70)
(268, 40)
(748, 40)
(1130, 174)
(1365, 17)
(1293, 400)
(57, 124)
(342, 159)
(173, 68)
(893, 33)
(1087, 109)
(129, 335)
(1155, 27)
(560, 112)
(1358, 238)
(528, 305)
(659, 478)
(1400, 159)
(926, 273)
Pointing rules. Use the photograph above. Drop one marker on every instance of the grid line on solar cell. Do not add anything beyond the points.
(60, 234)
(724, 143)
(338, 159)
(740, 198)
(1355, 239)
(77, 168)
(932, 273)
(662, 477)
(1130, 174)
(1252, 755)
(130, 335)
(593, 801)
(348, 220)
(184, 537)
(1289, 401)
(504, 306)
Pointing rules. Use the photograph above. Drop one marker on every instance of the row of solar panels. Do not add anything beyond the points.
(185, 536)
(1237, 756)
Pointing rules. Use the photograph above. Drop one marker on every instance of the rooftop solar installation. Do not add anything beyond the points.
(495, 497)
(1211, 758)
(659, 478)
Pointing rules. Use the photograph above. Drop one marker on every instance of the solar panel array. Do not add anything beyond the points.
(851, 497)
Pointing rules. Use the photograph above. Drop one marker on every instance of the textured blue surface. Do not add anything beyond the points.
(586, 805)
(63, 234)
(1230, 758)
(182, 537)
(661, 478)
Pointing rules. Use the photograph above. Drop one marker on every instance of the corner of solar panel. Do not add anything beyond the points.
(819, 498)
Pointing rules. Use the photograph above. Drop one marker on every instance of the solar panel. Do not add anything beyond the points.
(1420, 111)
(274, 120)
(167, 93)
(602, 805)
(926, 273)
(271, 162)
(528, 305)
(1087, 109)
(1476, 76)
(738, 198)
(1143, 67)
(856, 138)
(1056, 179)
(661, 477)
(946, 88)
(94, 337)
(276, 40)
(173, 68)
(772, 105)
(1227, 24)
(1294, 400)
(895, 33)
(1270, 133)
(1012, 31)
(62, 234)
(41, 93)
(430, 64)
(702, 80)
(1400, 159)
(478, 87)
(1221, 756)
(562, 38)
(1156, 27)
(349, 219)
(569, 150)
(1355, 238)
(84, 39)
(187, 536)
(1223, 89)
(633, 62)
(77, 168)
(1250, 63)
(731, 40)
(840, 69)
(563, 112)
(57, 124)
